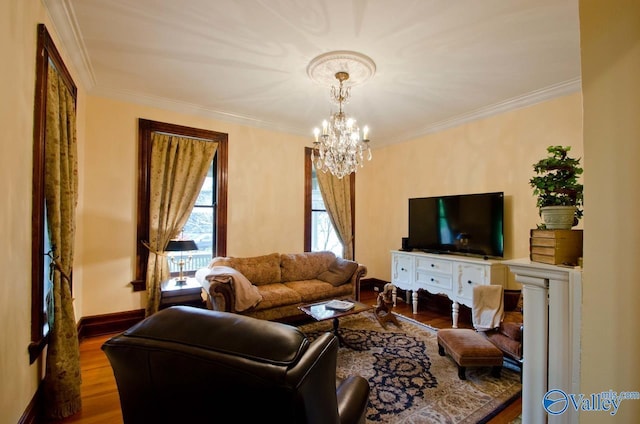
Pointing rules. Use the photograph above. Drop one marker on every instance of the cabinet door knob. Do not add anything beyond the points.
(469, 282)
(402, 269)
(433, 265)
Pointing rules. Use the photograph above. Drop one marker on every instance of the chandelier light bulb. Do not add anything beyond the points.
(365, 133)
(316, 133)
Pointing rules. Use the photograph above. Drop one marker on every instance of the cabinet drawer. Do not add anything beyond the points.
(434, 265)
(401, 275)
(433, 282)
(468, 277)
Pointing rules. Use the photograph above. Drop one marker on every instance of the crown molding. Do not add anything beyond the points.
(68, 30)
(528, 99)
(194, 109)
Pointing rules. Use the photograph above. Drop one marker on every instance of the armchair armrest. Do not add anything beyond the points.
(220, 296)
(353, 397)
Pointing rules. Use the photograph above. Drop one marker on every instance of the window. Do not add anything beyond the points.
(46, 56)
(210, 212)
(319, 233)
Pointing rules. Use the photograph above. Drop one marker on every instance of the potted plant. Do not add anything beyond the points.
(560, 195)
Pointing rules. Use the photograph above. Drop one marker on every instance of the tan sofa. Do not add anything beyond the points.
(283, 281)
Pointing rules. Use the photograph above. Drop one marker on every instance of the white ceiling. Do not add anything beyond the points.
(439, 62)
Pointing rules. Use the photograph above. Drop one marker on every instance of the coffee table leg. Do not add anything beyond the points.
(341, 341)
(335, 331)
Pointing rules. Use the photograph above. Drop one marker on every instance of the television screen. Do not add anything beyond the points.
(469, 224)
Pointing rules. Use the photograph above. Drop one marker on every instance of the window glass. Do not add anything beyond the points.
(46, 278)
(323, 234)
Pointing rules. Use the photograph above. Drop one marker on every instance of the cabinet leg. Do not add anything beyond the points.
(455, 311)
(394, 295)
(415, 301)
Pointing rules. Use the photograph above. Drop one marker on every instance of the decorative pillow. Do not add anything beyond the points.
(304, 266)
(258, 269)
(339, 272)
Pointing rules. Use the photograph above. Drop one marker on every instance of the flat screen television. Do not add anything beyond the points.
(468, 224)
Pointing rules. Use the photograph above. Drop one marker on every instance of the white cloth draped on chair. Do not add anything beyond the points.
(488, 307)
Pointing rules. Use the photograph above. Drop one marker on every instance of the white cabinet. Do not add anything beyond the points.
(450, 275)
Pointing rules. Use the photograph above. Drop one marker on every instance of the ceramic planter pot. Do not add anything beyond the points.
(558, 217)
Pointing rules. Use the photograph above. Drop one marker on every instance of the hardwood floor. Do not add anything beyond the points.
(101, 403)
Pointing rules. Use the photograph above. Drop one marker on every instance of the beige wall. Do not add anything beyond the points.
(265, 203)
(492, 154)
(610, 39)
(18, 29)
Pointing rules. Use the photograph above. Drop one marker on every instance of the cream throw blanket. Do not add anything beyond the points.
(488, 307)
(247, 295)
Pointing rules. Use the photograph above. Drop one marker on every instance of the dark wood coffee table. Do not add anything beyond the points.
(320, 312)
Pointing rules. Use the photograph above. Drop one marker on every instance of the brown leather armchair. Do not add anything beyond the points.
(194, 365)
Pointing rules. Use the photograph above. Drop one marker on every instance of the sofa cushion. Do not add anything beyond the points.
(304, 266)
(259, 270)
(315, 290)
(339, 272)
(275, 295)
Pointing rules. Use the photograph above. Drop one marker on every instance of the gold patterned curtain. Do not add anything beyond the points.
(62, 376)
(179, 166)
(336, 193)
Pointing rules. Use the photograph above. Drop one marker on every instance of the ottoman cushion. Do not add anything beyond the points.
(468, 349)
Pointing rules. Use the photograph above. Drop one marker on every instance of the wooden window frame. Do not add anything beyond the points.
(145, 128)
(45, 51)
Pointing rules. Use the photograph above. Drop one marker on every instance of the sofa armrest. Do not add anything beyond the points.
(220, 296)
(359, 273)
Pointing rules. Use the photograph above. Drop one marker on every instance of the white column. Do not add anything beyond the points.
(551, 345)
(534, 345)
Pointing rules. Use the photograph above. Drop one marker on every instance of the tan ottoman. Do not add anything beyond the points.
(469, 349)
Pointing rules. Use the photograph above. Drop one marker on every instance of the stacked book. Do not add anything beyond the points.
(556, 247)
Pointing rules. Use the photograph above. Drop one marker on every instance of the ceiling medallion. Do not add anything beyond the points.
(340, 148)
(322, 69)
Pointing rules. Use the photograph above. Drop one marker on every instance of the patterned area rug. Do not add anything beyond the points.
(410, 382)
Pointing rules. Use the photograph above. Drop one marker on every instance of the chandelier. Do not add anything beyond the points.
(339, 147)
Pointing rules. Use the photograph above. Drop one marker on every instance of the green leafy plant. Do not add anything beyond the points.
(556, 181)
